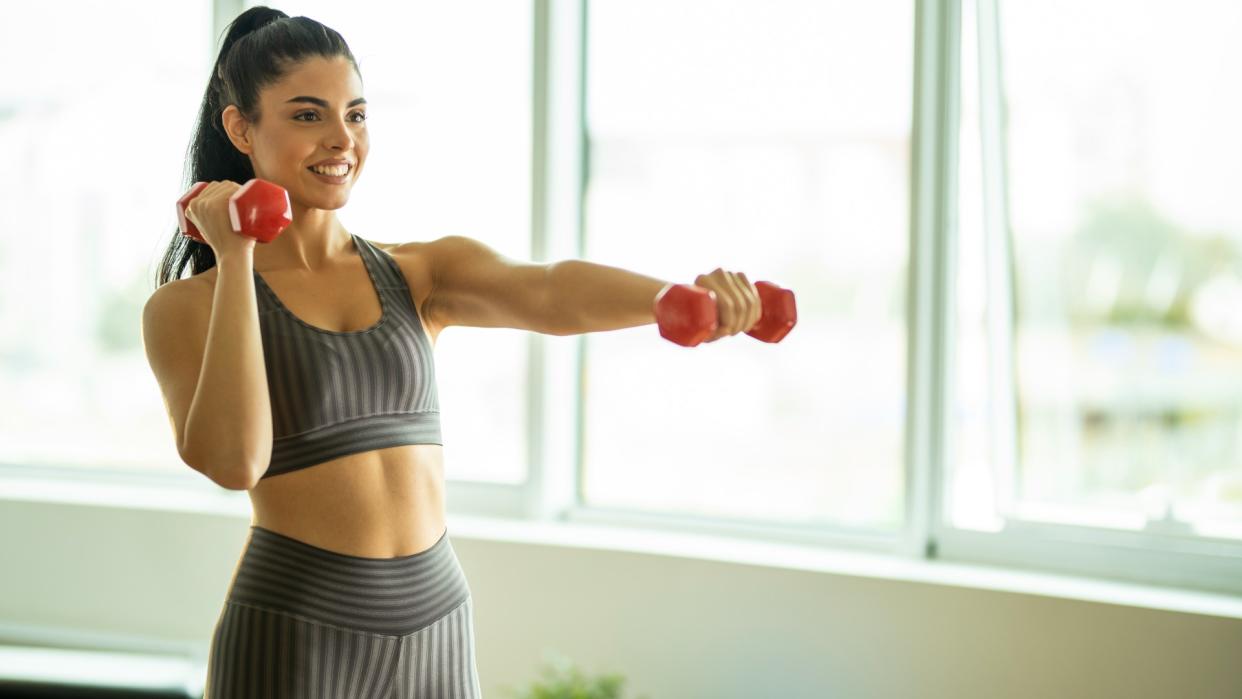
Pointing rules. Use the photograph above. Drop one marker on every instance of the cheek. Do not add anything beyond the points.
(288, 147)
(274, 152)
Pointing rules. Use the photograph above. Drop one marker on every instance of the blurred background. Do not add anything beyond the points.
(1015, 237)
(1110, 219)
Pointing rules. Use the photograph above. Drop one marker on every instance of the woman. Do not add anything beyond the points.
(315, 350)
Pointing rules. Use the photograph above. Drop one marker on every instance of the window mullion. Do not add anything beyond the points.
(930, 293)
(554, 383)
(999, 267)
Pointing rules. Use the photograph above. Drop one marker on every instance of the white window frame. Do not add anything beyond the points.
(1155, 555)
(560, 171)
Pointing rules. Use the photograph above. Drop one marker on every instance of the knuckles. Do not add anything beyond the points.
(737, 313)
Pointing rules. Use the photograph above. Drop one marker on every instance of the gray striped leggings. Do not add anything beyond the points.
(302, 622)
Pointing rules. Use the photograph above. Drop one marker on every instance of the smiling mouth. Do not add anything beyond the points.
(331, 170)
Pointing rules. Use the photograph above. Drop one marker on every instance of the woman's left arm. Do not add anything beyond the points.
(586, 297)
(594, 297)
(475, 286)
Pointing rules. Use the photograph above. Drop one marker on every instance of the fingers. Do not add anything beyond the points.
(712, 285)
(737, 301)
(199, 205)
(208, 210)
(754, 305)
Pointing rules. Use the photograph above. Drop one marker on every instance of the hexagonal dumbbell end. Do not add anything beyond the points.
(260, 210)
(780, 313)
(686, 313)
(186, 226)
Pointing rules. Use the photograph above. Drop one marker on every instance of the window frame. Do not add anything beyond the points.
(560, 175)
(1154, 555)
(560, 171)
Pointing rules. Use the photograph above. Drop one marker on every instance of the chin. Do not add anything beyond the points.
(331, 204)
(318, 199)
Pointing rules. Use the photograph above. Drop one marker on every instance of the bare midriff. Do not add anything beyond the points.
(378, 504)
(375, 504)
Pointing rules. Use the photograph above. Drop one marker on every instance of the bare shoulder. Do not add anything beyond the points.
(202, 284)
(179, 307)
(416, 259)
(183, 294)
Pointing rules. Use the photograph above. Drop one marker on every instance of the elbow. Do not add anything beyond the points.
(230, 474)
(562, 331)
(560, 324)
(553, 318)
(235, 478)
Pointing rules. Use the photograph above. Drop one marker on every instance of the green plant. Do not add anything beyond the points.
(562, 679)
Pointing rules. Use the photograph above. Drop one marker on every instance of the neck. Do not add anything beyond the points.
(315, 240)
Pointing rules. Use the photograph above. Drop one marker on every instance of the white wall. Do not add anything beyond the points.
(676, 627)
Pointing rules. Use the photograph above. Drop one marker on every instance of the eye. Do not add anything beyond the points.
(362, 116)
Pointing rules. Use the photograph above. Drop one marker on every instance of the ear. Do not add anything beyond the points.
(237, 128)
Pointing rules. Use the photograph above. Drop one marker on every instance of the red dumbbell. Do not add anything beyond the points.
(687, 314)
(258, 209)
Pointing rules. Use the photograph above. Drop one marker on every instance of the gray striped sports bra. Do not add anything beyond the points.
(338, 393)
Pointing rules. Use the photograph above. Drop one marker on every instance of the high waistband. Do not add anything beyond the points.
(388, 596)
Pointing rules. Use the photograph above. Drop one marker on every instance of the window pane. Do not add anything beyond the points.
(94, 125)
(772, 139)
(1125, 161)
(448, 110)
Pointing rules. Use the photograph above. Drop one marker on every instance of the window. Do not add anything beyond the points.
(769, 138)
(1011, 228)
(95, 149)
(1097, 346)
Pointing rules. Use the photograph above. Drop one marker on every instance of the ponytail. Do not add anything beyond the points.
(260, 46)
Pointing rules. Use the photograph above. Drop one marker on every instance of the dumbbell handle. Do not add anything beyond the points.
(687, 314)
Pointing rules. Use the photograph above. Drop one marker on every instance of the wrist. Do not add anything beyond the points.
(655, 301)
(243, 258)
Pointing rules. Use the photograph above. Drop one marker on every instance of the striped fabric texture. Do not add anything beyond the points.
(338, 393)
(308, 623)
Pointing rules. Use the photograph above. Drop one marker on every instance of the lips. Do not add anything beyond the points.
(332, 169)
(334, 161)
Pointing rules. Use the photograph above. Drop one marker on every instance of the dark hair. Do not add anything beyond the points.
(260, 46)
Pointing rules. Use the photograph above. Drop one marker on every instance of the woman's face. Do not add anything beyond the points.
(313, 116)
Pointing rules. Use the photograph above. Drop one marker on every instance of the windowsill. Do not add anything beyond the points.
(129, 495)
(62, 667)
(838, 562)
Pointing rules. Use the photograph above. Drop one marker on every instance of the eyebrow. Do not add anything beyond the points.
(322, 103)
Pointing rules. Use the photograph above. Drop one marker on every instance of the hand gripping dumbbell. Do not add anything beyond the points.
(687, 314)
(258, 209)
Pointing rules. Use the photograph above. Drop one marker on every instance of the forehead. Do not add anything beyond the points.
(333, 79)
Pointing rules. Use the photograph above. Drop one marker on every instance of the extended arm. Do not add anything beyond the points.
(475, 286)
(589, 297)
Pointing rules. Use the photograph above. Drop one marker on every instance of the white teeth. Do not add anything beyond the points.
(332, 170)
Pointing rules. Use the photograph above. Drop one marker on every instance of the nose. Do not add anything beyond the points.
(338, 137)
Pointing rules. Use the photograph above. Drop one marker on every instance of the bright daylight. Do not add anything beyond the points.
(587, 349)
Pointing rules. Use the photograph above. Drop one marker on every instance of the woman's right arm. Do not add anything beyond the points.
(208, 359)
